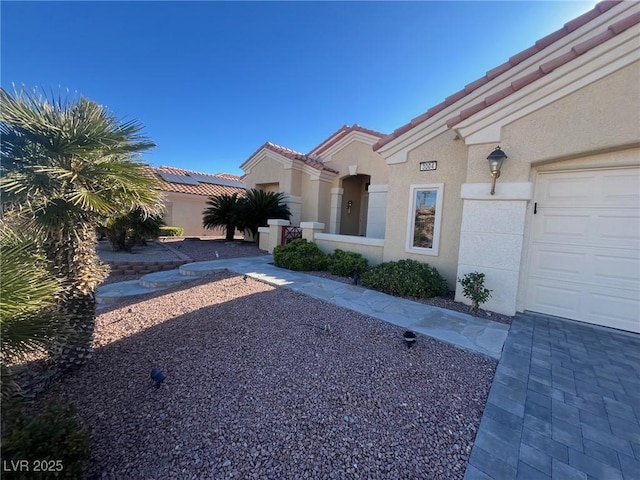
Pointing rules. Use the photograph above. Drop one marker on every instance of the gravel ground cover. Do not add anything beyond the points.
(266, 383)
(206, 249)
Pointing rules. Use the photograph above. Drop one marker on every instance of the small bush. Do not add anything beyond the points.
(473, 288)
(300, 255)
(171, 231)
(345, 263)
(405, 278)
(53, 440)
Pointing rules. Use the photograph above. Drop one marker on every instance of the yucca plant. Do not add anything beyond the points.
(65, 166)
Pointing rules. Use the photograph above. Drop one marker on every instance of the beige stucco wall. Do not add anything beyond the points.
(599, 117)
(183, 210)
(361, 155)
(271, 171)
(451, 155)
(366, 162)
(596, 126)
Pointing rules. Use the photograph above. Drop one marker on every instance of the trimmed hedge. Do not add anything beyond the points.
(171, 231)
(406, 278)
(344, 263)
(300, 255)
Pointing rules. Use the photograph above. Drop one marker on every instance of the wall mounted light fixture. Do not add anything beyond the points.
(495, 164)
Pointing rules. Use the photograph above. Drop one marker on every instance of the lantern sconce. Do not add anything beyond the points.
(495, 164)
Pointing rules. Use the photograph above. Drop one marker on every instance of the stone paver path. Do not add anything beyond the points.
(564, 404)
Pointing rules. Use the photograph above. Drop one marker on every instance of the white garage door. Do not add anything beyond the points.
(584, 259)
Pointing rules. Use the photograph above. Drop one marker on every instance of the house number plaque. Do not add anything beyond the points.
(428, 166)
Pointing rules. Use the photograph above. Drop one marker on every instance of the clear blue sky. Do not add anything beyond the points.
(212, 81)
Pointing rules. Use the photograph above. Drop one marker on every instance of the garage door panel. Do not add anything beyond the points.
(622, 229)
(565, 189)
(559, 298)
(584, 254)
(619, 271)
(552, 262)
(615, 310)
(620, 189)
(564, 227)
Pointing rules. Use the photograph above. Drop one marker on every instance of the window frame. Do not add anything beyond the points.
(435, 245)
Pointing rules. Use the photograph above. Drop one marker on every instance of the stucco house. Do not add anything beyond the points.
(560, 234)
(335, 183)
(186, 193)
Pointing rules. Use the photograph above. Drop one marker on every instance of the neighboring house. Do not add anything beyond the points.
(186, 194)
(336, 183)
(561, 234)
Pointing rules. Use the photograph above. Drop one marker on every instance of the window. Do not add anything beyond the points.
(425, 212)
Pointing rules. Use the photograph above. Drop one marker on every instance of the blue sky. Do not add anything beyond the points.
(212, 81)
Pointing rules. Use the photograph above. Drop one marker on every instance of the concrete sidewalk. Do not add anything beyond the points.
(462, 330)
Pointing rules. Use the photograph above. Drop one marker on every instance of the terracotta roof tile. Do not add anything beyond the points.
(554, 63)
(294, 155)
(625, 23)
(341, 133)
(202, 189)
(499, 70)
(517, 84)
(477, 84)
(583, 19)
(522, 56)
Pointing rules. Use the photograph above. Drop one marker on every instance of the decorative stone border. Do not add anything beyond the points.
(142, 268)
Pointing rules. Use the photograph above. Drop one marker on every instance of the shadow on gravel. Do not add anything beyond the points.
(269, 383)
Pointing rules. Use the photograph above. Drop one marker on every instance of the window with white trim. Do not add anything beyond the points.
(425, 213)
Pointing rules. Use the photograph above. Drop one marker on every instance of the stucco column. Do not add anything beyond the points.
(295, 205)
(377, 211)
(275, 232)
(309, 230)
(491, 240)
(336, 210)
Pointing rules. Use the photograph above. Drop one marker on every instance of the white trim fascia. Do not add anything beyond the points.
(378, 188)
(356, 240)
(437, 124)
(617, 53)
(504, 191)
(315, 174)
(409, 248)
(261, 155)
(353, 136)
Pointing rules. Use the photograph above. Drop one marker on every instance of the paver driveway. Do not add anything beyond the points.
(564, 403)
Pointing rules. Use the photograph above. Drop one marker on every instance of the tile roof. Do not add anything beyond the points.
(204, 189)
(294, 155)
(340, 134)
(545, 68)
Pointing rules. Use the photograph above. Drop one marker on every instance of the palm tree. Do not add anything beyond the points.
(223, 212)
(259, 206)
(65, 166)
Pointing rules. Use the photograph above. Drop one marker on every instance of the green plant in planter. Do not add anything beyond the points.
(473, 288)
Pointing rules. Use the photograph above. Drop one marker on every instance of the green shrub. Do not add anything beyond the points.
(345, 263)
(473, 288)
(300, 255)
(171, 231)
(53, 440)
(405, 278)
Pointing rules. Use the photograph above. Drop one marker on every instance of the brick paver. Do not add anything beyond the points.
(565, 403)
